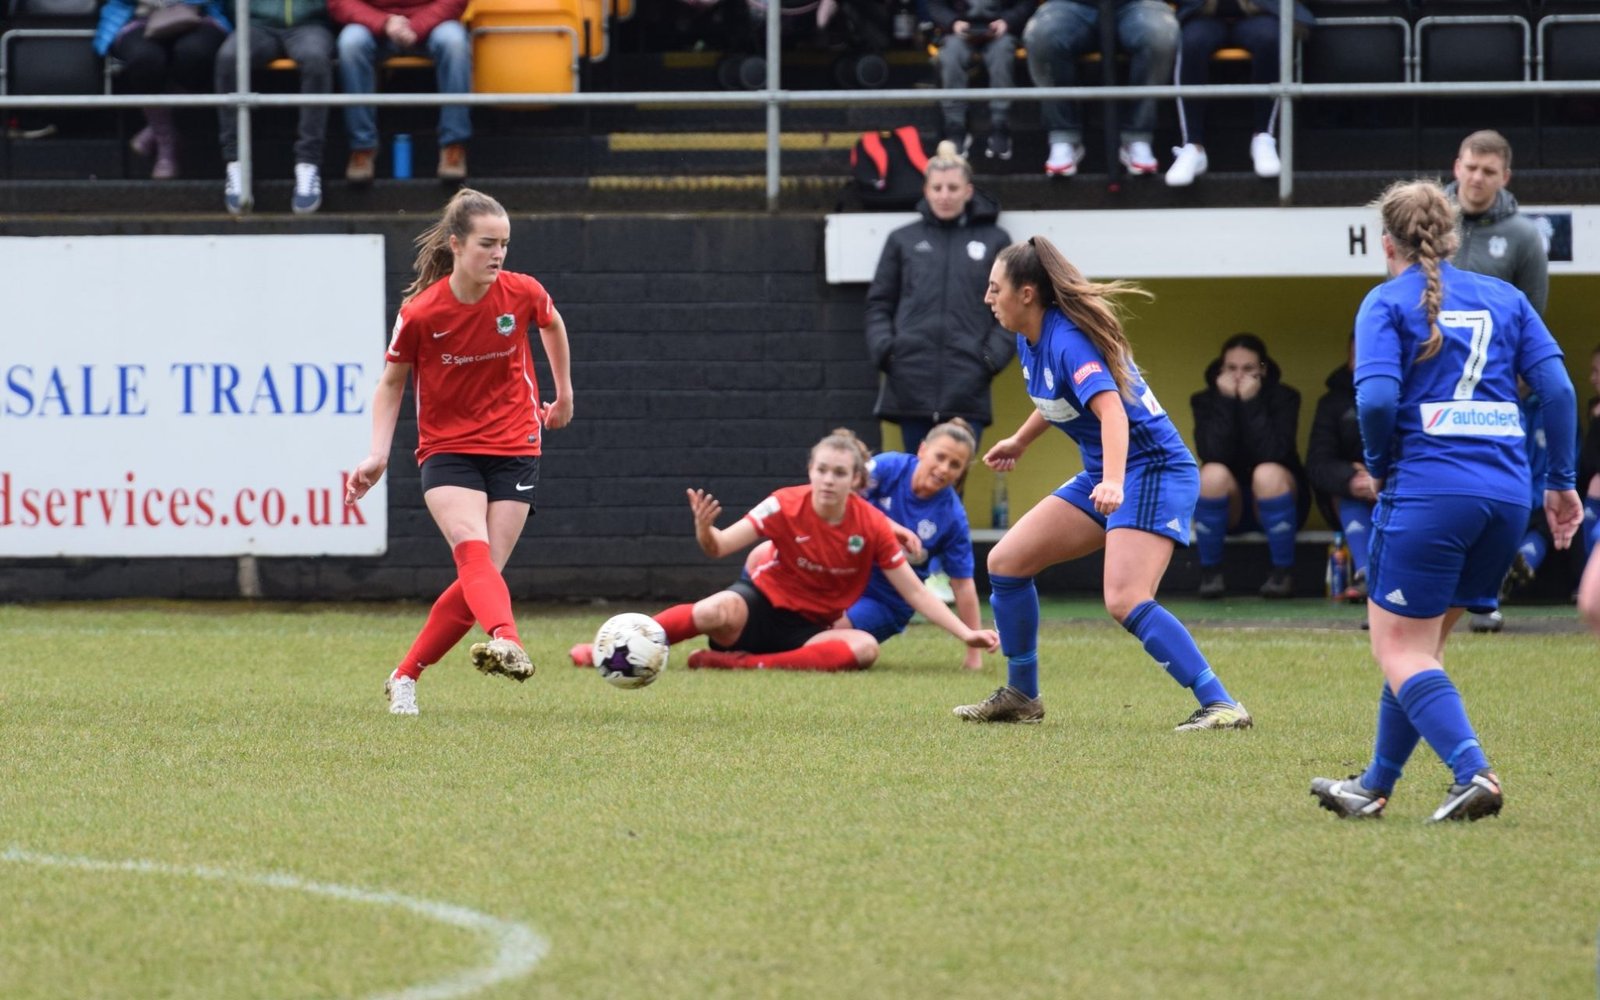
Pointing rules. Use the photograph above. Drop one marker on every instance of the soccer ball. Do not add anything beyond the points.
(630, 650)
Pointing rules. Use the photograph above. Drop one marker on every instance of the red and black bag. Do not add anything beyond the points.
(889, 167)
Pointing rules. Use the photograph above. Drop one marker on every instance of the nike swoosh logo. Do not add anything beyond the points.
(444, 334)
(523, 489)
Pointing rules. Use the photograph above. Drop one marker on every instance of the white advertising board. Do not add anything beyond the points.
(1209, 243)
(188, 395)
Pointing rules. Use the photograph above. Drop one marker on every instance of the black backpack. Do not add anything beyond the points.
(889, 167)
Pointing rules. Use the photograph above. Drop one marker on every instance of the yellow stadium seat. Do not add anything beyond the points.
(625, 9)
(525, 46)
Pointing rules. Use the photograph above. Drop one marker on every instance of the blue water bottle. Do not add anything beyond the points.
(402, 156)
(1338, 577)
(1000, 511)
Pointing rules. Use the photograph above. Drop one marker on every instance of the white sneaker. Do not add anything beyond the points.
(402, 694)
(307, 189)
(1264, 155)
(233, 189)
(1138, 157)
(939, 586)
(1190, 163)
(1064, 158)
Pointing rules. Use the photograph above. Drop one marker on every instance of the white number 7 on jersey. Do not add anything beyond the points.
(1480, 327)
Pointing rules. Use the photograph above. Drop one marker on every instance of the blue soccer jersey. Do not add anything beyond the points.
(940, 521)
(1065, 370)
(1458, 427)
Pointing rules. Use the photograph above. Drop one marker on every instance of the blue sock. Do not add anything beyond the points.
(1172, 646)
(1015, 601)
(1356, 517)
(1533, 548)
(1280, 517)
(1397, 737)
(1211, 528)
(1434, 707)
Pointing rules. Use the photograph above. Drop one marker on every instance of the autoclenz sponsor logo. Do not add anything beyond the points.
(1471, 418)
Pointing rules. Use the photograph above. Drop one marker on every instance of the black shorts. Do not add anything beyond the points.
(502, 477)
(769, 629)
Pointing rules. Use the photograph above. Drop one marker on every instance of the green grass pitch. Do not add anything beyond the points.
(210, 801)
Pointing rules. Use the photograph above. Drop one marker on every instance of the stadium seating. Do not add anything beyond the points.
(526, 46)
(1568, 40)
(1358, 41)
(47, 49)
(1473, 40)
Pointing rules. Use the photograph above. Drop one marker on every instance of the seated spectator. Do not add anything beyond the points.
(1209, 25)
(1337, 474)
(157, 60)
(298, 29)
(1061, 31)
(971, 30)
(380, 28)
(1245, 426)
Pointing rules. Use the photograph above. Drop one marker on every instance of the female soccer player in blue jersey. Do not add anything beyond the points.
(1135, 496)
(1438, 352)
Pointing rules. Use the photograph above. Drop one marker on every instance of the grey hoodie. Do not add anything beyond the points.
(1505, 244)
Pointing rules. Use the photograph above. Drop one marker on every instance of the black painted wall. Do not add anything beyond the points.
(707, 351)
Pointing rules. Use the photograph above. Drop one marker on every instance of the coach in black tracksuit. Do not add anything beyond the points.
(936, 343)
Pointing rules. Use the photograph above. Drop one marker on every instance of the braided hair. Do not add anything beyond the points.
(1424, 226)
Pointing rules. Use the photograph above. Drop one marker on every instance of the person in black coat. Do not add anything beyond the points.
(928, 330)
(1246, 423)
(1344, 491)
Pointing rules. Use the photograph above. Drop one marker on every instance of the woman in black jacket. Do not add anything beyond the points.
(1344, 491)
(1245, 427)
(936, 343)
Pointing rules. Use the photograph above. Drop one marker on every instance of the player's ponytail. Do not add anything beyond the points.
(1095, 307)
(1424, 227)
(434, 257)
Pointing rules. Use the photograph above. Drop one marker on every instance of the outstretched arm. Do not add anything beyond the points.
(717, 542)
(968, 611)
(385, 411)
(1107, 493)
(909, 587)
(1003, 455)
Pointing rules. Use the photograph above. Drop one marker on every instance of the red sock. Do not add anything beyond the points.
(826, 656)
(485, 590)
(678, 621)
(449, 620)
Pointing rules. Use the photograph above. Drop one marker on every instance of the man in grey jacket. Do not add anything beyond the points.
(1496, 239)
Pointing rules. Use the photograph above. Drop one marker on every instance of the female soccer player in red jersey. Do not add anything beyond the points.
(825, 542)
(463, 330)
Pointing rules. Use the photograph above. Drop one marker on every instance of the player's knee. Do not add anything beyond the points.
(1120, 601)
(1215, 480)
(1269, 479)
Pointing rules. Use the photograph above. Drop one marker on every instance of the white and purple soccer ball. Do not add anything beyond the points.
(630, 650)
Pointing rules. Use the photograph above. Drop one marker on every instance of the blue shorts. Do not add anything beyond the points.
(1432, 553)
(1158, 501)
(877, 619)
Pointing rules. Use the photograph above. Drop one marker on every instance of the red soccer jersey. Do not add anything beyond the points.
(819, 569)
(473, 365)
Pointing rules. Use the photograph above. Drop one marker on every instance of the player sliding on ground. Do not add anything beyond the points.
(825, 540)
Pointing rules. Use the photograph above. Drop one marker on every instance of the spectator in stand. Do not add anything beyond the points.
(157, 59)
(1061, 31)
(1209, 25)
(1337, 472)
(1246, 423)
(300, 30)
(1496, 240)
(376, 29)
(970, 30)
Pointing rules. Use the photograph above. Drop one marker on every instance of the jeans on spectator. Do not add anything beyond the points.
(1062, 30)
(956, 53)
(450, 48)
(1204, 35)
(310, 45)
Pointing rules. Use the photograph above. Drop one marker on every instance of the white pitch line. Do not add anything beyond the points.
(518, 948)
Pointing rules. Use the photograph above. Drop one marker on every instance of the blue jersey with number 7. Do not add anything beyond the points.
(1065, 370)
(1458, 428)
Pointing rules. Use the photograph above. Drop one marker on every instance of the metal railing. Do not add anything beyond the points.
(773, 98)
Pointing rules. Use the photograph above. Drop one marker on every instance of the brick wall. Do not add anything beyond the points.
(707, 351)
